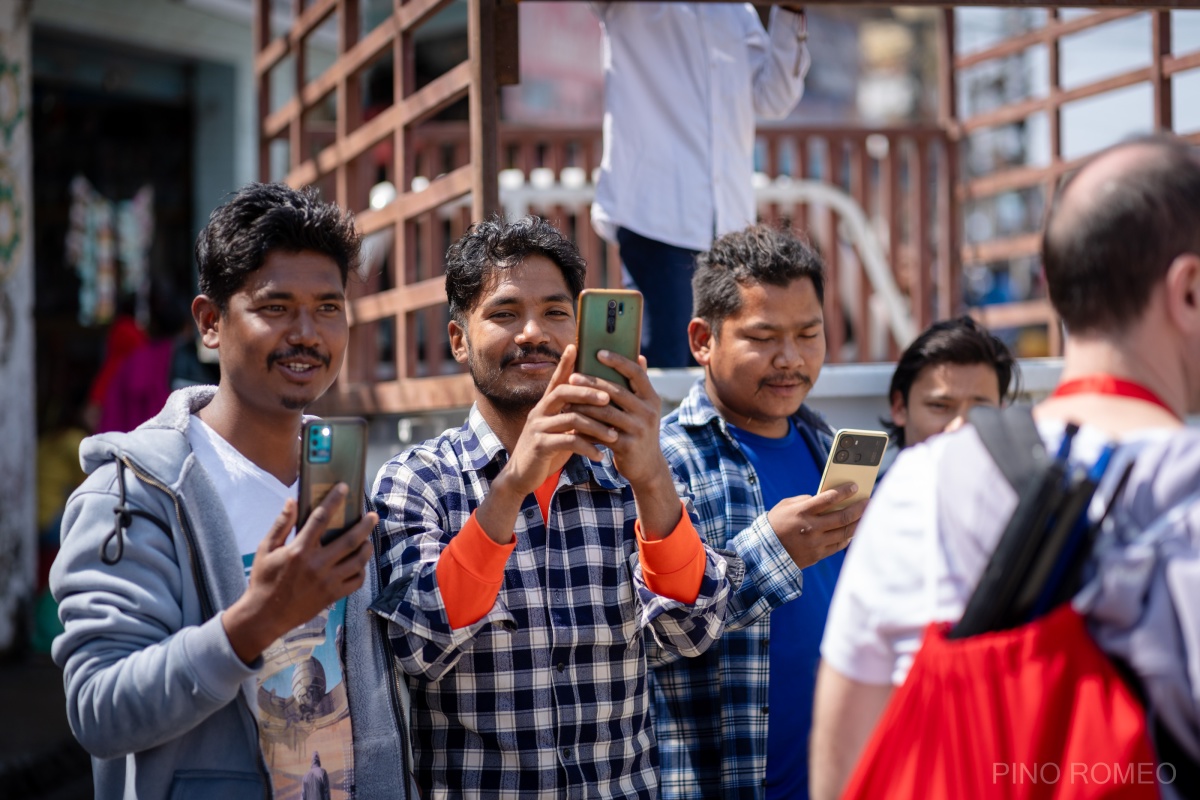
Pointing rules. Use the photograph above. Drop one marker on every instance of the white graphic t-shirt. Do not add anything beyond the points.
(303, 716)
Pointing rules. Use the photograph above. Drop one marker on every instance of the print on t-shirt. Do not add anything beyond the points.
(303, 715)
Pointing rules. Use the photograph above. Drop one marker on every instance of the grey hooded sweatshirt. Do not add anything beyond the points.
(154, 690)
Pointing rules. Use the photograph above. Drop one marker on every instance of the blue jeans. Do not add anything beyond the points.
(663, 274)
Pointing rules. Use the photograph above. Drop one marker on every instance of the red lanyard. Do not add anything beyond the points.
(1103, 383)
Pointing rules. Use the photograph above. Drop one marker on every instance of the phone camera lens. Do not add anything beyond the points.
(612, 303)
(841, 456)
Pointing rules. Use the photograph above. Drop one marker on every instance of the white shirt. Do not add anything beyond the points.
(302, 703)
(683, 83)
(253, 497)
(901, 573)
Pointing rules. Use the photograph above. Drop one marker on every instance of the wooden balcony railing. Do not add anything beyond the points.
(891, 202)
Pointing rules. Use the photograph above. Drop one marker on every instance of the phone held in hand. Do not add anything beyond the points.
(332, 451)
(607, 319)
(854, 458)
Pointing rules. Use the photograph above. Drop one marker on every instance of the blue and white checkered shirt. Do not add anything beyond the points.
(711, 711)
(547, 695)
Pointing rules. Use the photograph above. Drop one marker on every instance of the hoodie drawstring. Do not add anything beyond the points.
(124, 518)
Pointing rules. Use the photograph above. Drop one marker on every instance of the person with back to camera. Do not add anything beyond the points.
(1121, 253)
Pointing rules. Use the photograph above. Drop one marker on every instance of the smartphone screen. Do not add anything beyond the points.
(854, 458)
(332, 451)
(607, 319)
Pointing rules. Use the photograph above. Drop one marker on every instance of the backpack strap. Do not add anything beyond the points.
(1012, 440)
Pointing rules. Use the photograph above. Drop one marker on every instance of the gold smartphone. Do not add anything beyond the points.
(854, 458)
(607, 319)
(332, 450)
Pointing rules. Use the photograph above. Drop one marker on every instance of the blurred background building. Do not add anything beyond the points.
(124, 122)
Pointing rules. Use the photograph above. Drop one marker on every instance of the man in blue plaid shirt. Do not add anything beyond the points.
(734, 722)
(534, 556)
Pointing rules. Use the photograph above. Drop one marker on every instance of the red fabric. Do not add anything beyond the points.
(470, 570)
(123, 338)
(1103, 383)
(470, 573)
(673, 566)
(139, 389)
(543, 494)
(1035, 713)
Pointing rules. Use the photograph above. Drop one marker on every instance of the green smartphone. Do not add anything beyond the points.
(607, 319)
(332, 450)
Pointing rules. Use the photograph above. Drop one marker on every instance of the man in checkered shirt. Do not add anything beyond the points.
(536, 556)
(734, 722)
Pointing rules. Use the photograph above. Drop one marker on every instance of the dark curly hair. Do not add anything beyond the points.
(952, 341)
(495, 244)
(260, 218)
(757, 255)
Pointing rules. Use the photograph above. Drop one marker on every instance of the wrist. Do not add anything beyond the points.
(248, 635)
(656, 483)
(497, 514)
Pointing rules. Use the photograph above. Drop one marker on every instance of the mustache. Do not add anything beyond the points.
(787, 377)
(526, 352)
(299, 351)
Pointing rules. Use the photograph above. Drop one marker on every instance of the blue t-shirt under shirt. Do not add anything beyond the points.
(786, 467)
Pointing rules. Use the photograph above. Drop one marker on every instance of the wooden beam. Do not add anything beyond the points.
(1163, 90)
(1056, 29)
(431, 98)
(484, 107)
(406, 396)
(1003, 249)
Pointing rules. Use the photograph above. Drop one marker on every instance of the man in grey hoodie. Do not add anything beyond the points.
(207, 652)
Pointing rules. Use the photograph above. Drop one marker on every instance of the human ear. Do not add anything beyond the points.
(700, 339)
(1183, 292)
(899, 410)
(208, 320)
(458, 340)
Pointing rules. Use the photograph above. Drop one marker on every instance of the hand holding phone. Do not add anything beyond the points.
(332, 451)
(854, 458)
(607, 319)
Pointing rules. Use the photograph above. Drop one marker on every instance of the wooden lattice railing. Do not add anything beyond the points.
(906, 182)
(1159, 75)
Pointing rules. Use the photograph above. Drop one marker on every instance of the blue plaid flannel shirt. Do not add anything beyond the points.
(711, 711)
(547, 695)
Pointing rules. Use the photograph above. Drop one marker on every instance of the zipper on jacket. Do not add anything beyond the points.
(207, 606)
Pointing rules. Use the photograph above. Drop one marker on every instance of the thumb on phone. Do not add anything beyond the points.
(566, 365)
(835, 495)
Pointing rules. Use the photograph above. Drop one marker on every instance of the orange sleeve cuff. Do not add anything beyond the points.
(470, 572)
(673, 567)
